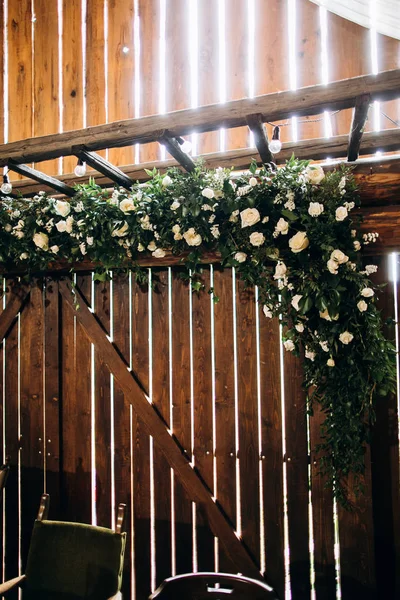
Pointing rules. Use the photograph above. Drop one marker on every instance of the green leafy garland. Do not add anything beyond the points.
(291, 232)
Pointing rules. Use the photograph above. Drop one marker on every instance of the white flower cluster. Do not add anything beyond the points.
(369, 238)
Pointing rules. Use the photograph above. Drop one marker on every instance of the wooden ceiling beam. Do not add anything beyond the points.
(174, 148)
(45, 180)
(259, 132)
(360, 115)
(104, 167)
(305, 101)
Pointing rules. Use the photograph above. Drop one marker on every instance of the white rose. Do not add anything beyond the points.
(192, 238)
(24, 256)
(324, 346)
(152, 246)
(267, 311)
(282, 226)
(252, 181)
(166, 181)
(341, 213)
(299, 242)
(41, 240)
(176, 228)
(126, 205)
(175, 205)
(140, 247)
(234, 216)
(315, 209)
(240, 256)
(295, 301)
(177, 236)
(19, 234)
(289, 345)
(8, 228)
(257, 238)
(309, 354)
(89, 241)
(69, 222)
(121, 231)
(367, 292)
(159, 253)
(280, 271)
(357, 245)
(332, 266)
(249, 217)
(339, 257)
(362, 306)
(61, 226)
(346, 337)
(62, 208)
(330, 362)
(314, 174)
(54, 249)
(299, 327)
(208, 193)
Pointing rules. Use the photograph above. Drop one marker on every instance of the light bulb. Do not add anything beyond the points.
(6, 187)
(275, 145)
(80, 169)
(186, 146)
(125, 49)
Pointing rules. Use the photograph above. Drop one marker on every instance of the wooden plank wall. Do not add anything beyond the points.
(213, 370)
(87, 62)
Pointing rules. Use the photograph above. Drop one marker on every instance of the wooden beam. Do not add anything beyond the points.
(173, 147)
(104, 167)
(279, 105)
(14, 304)
(133, 390)
(259, 132)
(316, 149)
(42, 178)
(360, 115)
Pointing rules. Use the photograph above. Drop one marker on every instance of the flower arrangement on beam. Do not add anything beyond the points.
(291, 232)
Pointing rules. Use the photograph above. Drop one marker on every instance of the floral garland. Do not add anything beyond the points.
(290, 232)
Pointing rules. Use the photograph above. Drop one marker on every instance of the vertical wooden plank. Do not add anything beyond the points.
(181, 424)
(122, 451)
(52, 394)
(121, 57)
(76, 415)
(46, 110)
(297, 477)
(141, 458)
(248, 418)
(208, 87)
(323, 523)
(149, 19)
(203, 412)
(95, 77)
(161, 399)
(19, 49)
(31, 412)
(271, 452)
(225, 399)
(388, 58)
(346, 39)
(12, 443)
(177, 53)
(2, 71)
(236, 48)
(72, 72)
(103, 413)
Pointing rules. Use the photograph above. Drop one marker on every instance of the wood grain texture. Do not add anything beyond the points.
(95, 76)
(388, 58)
(120, 75)
(46, 99)
(271, 452)
(297, 477)
(72, 72)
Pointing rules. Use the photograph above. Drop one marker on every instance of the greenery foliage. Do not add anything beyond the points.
(291, 232)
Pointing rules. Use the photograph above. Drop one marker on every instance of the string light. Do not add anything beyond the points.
(80, 169)
(6, 187)
(275, 145)
(185, 145)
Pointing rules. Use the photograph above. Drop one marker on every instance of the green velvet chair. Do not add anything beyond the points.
(72, 561)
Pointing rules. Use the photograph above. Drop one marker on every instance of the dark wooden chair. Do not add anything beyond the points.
(213, 586)
(72, 561)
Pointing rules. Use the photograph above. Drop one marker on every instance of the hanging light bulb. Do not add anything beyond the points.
(185, 145)
(6, 187)
(275, 145)
(80, 169)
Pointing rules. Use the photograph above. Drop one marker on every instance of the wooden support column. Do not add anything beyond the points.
(360, 115)
(259, 132)
(43, 178)
(174, 149)
(105, 168)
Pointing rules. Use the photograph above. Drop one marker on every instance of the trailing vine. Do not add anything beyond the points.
(293, 233)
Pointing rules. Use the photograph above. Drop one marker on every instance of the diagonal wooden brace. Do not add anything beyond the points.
(13, 306)
(360, 115)
(134, 392)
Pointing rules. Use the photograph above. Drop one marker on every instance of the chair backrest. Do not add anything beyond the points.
(213, 586)
(73, 561)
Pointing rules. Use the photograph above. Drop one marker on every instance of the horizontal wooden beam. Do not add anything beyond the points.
(104, 167)
(55, 184)
(280, 105)
(134, 393)
(360, 115)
